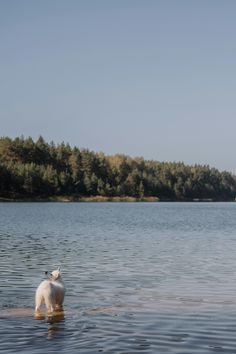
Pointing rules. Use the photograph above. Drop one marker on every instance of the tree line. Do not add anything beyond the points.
(33, 169)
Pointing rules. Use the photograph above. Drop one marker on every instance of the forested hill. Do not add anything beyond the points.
(37, 169)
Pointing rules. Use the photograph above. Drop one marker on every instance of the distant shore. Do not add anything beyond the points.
(101, 199)
(72, 199)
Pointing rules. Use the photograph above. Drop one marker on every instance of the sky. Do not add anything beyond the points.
(150, 78)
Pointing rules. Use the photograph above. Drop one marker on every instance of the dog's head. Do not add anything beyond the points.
(55, 275)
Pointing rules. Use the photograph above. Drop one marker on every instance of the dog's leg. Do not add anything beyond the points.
(38, 302)
(37, 308)
(50, 304)
(59, 307)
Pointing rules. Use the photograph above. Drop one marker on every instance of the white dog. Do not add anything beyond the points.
(50, 292)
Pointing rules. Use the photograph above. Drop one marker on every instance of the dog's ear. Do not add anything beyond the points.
(58, 269)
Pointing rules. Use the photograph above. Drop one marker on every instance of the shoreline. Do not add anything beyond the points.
(102, 199)
(72, 199)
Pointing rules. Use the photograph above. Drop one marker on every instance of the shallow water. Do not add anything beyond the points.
(150, 278)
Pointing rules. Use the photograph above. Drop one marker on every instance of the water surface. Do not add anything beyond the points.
(140, 277)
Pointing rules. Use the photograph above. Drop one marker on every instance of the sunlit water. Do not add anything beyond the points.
(140, 278)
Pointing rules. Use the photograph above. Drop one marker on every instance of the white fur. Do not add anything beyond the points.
(50, 292)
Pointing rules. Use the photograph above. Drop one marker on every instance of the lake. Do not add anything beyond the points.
(140, 277)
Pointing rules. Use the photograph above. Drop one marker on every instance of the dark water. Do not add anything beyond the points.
(141, 278)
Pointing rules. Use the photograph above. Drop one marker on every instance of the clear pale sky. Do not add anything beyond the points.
(151, 78)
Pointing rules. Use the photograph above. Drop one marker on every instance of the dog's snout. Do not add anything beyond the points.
(46, 272)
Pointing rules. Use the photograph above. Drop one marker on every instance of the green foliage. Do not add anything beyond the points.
(38, 169)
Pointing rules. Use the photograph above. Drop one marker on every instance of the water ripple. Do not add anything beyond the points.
(141, 278)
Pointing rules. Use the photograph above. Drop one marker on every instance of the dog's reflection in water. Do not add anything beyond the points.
(53, 320)
(54, 326)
